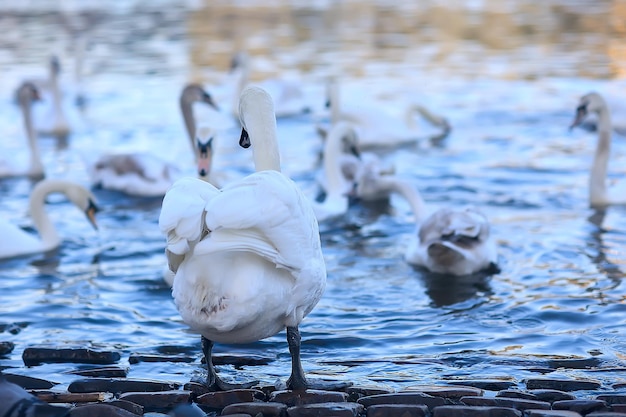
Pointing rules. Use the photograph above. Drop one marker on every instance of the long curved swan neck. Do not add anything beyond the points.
(186, 108)
(597, 179)
(335, 181)
(47, 232)
(36, 166)
(259, 120)
(407, 190)
(332, 92)
(240, 70)
(56, 93)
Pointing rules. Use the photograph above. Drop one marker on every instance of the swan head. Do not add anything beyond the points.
(83, 199)
(239, 61)
(251, 104)
(28, 93)
(204, 143)
(589, 103)
(195, 93)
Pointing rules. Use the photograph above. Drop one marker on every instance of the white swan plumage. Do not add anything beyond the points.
(446, 241)
(247, 258)
(17, 242)
(144, 174)
(50, 118)
(27, 93)
(599, 194)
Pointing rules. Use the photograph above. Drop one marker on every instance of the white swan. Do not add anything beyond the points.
(17, 242)
(248, 257)
(377, 126)
(456, 242)
(599, 195)
(142, 174)
(27, 93)
(340, 161)
(51, 120)
(289, 98)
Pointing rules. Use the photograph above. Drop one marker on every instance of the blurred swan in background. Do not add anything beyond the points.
(50, 118)
(377, 126)
(289, 98)
(143, 174)
(27, 93)
(599, 194)
(17, 242)
(247, 258)
(448, 241)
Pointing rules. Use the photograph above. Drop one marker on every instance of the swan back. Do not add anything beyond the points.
(258, 121)
(455, 242)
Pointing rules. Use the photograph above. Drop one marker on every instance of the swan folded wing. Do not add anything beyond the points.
(182, 211)
(273, 206)
(469, 223)
(247, 240)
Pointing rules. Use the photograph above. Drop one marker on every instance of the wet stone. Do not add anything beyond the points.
(293, 398)
(403, 398)
(552, 413)
(117, 385)
(157, 401)
(551, 395)
(354, 393)
(612, 398)
(398, 410)
(104, 372)
(37, 355)
(580, 406)
(100, 410)
(6, 348)
(562, 384)
(487, 385)
(136, 358)
(620, 408)
(127, 405)
(605, 414)
(221, 399)
(29, 382)
(574, 363)
(466, 411)
(341, 409)
(445, 391)
(514, 393)
(13, 328)
(240, 360)
(268, 409)
(517, 403)
(188, 410)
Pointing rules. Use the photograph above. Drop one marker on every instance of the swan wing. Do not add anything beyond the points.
(270, 216)
(181, 218)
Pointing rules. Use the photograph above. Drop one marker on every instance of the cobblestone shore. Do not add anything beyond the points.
(104, 390)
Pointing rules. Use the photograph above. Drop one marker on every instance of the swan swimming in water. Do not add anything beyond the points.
(448, 241)
(51, 120)
(144, 174)
(17, 242)
(247, 258)
(27, 93)
(599, 194)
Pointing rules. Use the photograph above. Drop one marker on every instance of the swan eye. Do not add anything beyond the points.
(244, 140)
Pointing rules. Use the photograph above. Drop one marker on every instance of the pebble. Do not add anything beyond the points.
(403, 398)
(104, 372)
(29, 382)
(158, 401)
(117, 385)
(517, 403)
(136, 358)
(222, 399)
(6, 348)
(445, 391)
(487, 385)
(403, 410)
(100, 410)
(326, 410)
(562, 384)
(294, 398)
(253, 408)
(580, 406)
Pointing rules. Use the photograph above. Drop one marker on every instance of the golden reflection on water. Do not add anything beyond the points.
(511, 40)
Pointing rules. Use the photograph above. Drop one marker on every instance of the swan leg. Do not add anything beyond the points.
(296, 381)
(213, 382)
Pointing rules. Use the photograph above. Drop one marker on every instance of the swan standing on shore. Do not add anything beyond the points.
(143, 174)
(27, 93)
(247, 258)
(17, 242)
(448, 241)
(599, 195)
